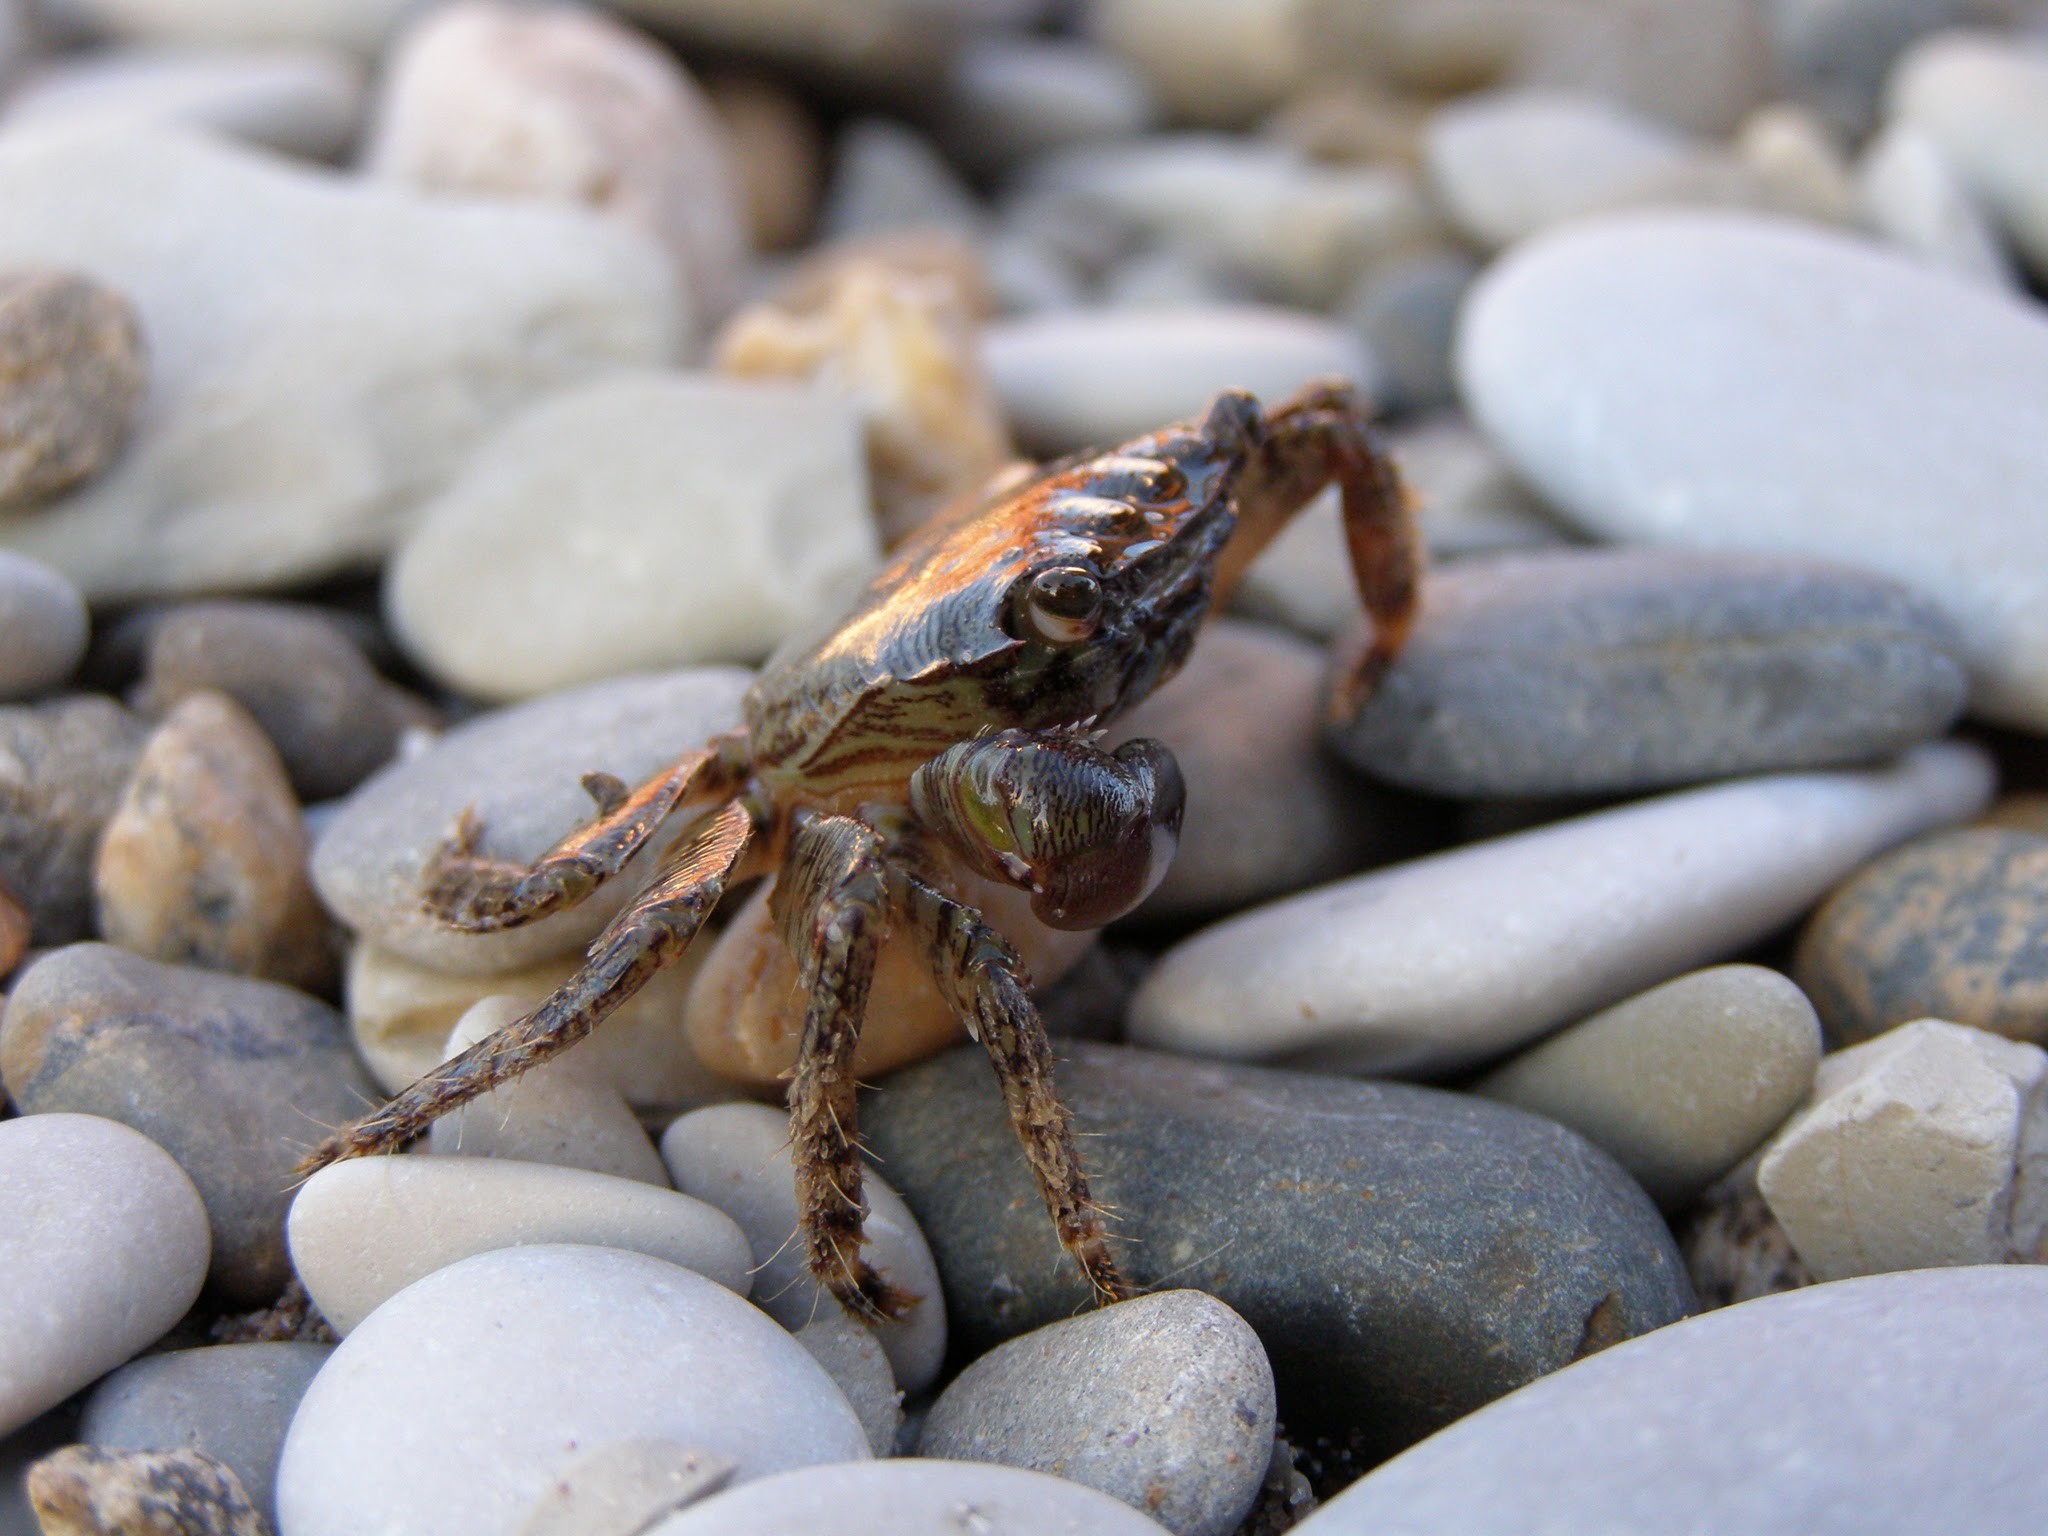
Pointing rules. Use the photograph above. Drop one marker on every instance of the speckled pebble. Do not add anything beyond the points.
(68, 762)
(72, 369)
(83, 1490)
(43, 627)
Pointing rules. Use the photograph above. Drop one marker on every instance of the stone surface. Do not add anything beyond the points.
(82, 1490)
(103, 1246)
(1952, 926)
(641, 520)
(624, 1488)
(1011, 96)
(1605, 670)
(66, 762)
(521, 769)
(73, 365)
(1444, 961)
(234, 1078)
(1166, 1402)
(1908, 193)
(232, 1401)
(1723, 381)
(359, 25)
(1082, 378)
(492, 99)
(204, 861)
(323, 352)
(361, 1231)
(1215, 62)
(1407, 310)
(909, 1498)
(1404, 1254)
(889, 178)
(43, 627)
(1897, 1403)
(736, 1156)
(562, 1350)
(854, 1358)
(1907, 1155)
(1680, 1083)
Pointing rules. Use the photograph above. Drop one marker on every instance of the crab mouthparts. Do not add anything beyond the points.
(1162, 573)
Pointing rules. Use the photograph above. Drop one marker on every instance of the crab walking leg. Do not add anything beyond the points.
(649, 934)
(981, 976)
(477, 894)
(831, 905)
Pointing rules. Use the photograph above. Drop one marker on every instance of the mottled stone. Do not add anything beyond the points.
(43, 627)
(1166, 1402)
(72, 370)
(1621, 670)
(234, 1078)
(63, 766)
(1951, 926)
(85, 1491)
(1404, 1254)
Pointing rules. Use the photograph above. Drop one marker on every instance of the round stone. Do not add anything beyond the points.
(43, 627)
(72, 370)
(68, 762)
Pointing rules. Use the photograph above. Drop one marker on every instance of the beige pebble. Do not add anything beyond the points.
(72, 372)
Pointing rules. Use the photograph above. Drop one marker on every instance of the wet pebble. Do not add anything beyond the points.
(363, 1230)
(1440, 962)
(1165, 1402)
(562, 1350)
(1404, 1254)
(1621, 670)
(43, 627)
(68, 761)
(103, 1246)
(232, 1077)
(73, 364)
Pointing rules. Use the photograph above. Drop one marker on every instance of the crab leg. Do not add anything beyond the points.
(983, 980)
(477, 894)
(642, 939)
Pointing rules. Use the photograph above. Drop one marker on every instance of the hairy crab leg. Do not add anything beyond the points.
(983, 979)
(646, 936)
(831, 905)
(477, 894)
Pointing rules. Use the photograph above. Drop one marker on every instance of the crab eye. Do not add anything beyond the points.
(1063, 604)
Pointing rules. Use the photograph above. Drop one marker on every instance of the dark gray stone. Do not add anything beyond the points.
(1582, 671)
(234, 1078)
(67, 761)
(1405, 1254)
(1407, 312)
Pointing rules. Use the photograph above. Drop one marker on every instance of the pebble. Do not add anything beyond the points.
(324, 357)
(1722, 380)
(856, 1361)
(1267, 811)
(1835, 54)
(1165, 1402)
(1906, 192)
(86, 1490)
(1075, 379)
(331, 717)
(623, 1488)
(363, 1230)
(521, 769)
(296, 100)
(67, 761)
(1407, 311)
(736, 1156)
(1983, 100)
(43, 627)
(1907, 1156)
(1012, 96)
(778, 156)
(204, 861)
(361, 26)
(232, 1401)
(1444, 961)
(14, 933)
(1698, 64)
(889, 178)
(561, 1350)
(1404, 1254)
(103, 1246)
(1621, 670)
(1221, 64)
(1897, 1403)
(234, 1078)
(909, 1497)
(1798, 165)
(1951, 926)
(1680, 1083)
(565, 1113)
(640, 520)
(73, 365)
(871, 46)
(484, 98)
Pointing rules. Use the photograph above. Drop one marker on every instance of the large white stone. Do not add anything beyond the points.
(1733, 382)
(1434, 964)
(322, 353)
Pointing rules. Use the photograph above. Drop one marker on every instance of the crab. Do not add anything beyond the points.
(946, 731)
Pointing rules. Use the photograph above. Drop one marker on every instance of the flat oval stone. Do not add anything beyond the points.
(230, 1076)
(1604, 670)
(517, 1363)
(1443, 961)
(908, 1497)
(1952, 926)
(1902, 1402)
(1729, 381)
(363, 1230)
(103, 1246)
(1405, 1254)
(1165, 1401)
(521, 769)
(43, 627)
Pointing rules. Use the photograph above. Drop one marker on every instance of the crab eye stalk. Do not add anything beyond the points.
(1062, 604)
